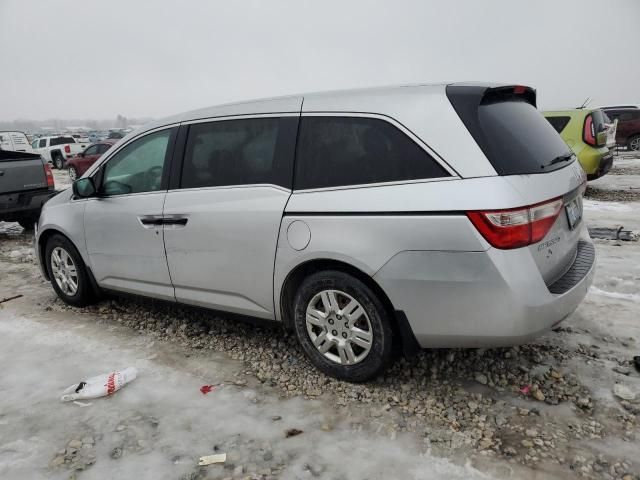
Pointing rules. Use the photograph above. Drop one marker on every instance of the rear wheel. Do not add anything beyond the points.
(58, 161)
(634, 143)
(28, 222)
(73, 174)
(342, 326)
(67, 272)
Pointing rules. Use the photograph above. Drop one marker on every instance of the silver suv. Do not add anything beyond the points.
(365, 220)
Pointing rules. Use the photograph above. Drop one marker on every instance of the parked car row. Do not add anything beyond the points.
(366, 221)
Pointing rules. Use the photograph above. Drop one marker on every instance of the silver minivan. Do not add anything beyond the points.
(368, 221)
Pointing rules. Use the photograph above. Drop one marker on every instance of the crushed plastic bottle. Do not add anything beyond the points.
(99, 386)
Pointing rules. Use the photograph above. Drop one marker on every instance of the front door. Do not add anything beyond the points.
(221, 224)
(123, 224)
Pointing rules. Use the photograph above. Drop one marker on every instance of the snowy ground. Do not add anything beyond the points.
(445, 414)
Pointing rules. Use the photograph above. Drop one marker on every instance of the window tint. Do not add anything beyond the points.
(43, 142)
(92, 150)
(558, 122)
(339, 151)
(240, 152)
(138, 167)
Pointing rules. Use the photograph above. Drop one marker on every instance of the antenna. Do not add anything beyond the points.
(585, 103)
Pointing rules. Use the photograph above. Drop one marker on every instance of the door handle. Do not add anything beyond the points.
(150, 221)
(175, 221)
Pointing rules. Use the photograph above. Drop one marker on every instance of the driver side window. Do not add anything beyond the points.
(138, 167)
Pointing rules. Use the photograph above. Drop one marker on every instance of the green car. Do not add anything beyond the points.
(585, 131)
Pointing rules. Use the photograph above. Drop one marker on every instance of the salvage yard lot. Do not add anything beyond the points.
(545, 409)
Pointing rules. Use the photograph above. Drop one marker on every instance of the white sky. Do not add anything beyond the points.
(97, 58)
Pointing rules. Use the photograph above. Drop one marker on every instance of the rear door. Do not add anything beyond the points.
(123, 227)
(222, 219)
(526, 149)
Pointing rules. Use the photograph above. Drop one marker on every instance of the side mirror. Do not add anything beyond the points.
(81, 154)
(84, 187)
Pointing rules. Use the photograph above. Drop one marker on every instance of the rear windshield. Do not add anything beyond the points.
(512, 133)
(61, 141)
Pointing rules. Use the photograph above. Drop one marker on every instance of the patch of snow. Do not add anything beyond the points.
(633, 297)
(606, 206)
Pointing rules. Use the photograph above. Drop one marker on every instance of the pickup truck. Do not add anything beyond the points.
(26, 183)
(57, 150)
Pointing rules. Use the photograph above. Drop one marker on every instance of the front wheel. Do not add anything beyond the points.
(634, 143)
(67, 272)
(342, 326)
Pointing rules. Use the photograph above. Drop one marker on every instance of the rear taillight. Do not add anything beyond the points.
(67, 149)
(517, 227)
(49, 174)
(589, 134)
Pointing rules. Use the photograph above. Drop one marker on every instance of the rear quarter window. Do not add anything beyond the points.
(558, 123)
(342, 151)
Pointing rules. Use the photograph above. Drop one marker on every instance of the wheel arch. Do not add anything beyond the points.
(401, 329)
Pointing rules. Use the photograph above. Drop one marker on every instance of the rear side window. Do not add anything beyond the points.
(102, 147)
(240, 152)
(341, 151)
(512, 133)
(558, 123)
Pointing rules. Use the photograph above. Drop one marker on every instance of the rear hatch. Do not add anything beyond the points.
(524, 147)
(21, 172)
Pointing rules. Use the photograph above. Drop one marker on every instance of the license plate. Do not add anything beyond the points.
(574, 212)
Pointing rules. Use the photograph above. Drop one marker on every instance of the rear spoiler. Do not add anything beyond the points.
(10, 156)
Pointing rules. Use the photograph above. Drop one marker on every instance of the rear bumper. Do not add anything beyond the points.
(16, 205)
(605, 165)
(481, 299)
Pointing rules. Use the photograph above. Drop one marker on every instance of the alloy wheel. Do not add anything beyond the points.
(64, 271)
(72, 174)
(635, 144)
(339, 327)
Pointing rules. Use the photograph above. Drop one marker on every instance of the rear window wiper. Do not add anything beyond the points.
(560, 158)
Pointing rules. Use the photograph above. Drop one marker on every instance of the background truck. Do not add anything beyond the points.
(57, 149)
(26, 183)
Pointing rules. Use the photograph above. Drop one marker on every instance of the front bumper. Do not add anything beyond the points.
(479, 299)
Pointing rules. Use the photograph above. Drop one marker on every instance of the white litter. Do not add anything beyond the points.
(211, 459)
(83, 404)
(99, 386)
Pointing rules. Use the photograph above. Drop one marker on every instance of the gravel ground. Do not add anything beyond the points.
(554, 408)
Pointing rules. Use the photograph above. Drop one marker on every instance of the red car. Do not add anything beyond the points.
(628, 133)
(79, 164)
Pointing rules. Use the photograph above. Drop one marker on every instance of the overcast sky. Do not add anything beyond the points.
(100, 58)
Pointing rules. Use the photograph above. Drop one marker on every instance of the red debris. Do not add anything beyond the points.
(208, 388)
(525, 389)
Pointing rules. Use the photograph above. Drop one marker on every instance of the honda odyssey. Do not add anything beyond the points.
(409, 217)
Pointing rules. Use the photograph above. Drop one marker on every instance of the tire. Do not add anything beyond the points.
(83, 294)
(28, 222)
(58, 161)
(369, 316)
(73, 174)
(633, 143)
